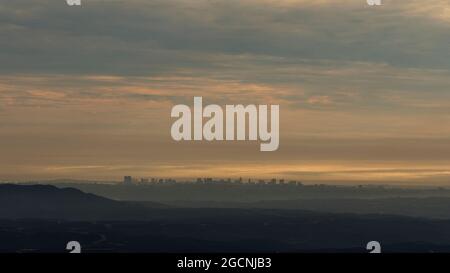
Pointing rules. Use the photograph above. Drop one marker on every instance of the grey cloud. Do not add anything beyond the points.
(349, 53)
(153, 37)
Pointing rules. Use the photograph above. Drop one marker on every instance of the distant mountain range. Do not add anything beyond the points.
(426, 207)
(226, 192)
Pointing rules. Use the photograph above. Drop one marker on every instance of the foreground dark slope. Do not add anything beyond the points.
(228, 230)
(106, 225)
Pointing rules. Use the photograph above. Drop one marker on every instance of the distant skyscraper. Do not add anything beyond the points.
(144, 180)
(127, 180)
(208, 180)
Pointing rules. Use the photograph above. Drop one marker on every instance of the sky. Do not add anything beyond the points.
(364, 92)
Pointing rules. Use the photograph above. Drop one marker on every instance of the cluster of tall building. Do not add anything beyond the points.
(249, 181)
(129, 180)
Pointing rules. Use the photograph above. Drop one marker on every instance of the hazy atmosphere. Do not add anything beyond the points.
(86, 92)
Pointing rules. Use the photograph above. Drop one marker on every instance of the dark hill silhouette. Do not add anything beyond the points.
(34, 217)
(45, 201)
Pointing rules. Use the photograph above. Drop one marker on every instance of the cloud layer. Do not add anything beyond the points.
(87, 91)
